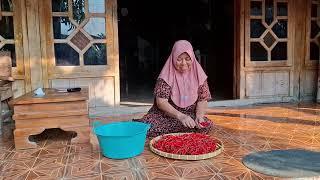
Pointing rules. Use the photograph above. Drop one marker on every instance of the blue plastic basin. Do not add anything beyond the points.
(121, 140)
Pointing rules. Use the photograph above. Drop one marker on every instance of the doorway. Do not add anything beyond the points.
(147, 33)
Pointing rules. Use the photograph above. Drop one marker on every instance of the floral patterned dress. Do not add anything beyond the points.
(161, 123)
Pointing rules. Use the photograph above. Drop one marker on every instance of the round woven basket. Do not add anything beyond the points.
(185, 157)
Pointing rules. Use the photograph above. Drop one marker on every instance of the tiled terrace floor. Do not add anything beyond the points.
(243, 130)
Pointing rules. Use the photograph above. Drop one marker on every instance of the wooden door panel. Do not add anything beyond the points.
(268, 63)
(282, 83)
(265, 83)
(310, 83)
(13, 39)
(253, 84)
(101, 90)
(312, 47)
(81, 49)
(268, 84)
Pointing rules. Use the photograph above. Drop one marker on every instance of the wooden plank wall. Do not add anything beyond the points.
(296, 80)
(308, 73)
(101, 90)
(21, 73)
(28, 74)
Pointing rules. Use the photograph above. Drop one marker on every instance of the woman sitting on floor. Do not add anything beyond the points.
(181, 95)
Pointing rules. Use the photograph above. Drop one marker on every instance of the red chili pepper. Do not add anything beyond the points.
(204, 124)
(186, 144)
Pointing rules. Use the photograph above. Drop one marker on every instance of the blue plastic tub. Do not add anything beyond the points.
(120, 140)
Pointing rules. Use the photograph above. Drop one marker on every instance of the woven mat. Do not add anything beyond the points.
(293, 163)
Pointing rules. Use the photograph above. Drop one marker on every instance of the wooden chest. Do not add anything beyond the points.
(67, 111)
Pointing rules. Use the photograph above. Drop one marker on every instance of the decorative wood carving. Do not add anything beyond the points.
(80, 40)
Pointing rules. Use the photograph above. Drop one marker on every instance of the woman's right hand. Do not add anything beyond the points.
(187, 121)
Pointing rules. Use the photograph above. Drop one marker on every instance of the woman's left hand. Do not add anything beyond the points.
(198, 121)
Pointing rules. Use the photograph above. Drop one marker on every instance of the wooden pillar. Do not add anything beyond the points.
(318, 93)
(242, 85)
(299, 42)
(318, 90)
(116, 53)
(34, 45)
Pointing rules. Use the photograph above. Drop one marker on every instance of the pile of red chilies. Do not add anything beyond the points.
(186, 144)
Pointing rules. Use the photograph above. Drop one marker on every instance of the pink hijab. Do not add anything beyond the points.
(184, 86)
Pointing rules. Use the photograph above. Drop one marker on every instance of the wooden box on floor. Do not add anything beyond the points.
(6, 93)
(67, 111)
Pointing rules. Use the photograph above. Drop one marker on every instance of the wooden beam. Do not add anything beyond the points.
(45, 17)
(33, 29)
(25, 44)
(298, 15)
(116, 53)
(242, 85)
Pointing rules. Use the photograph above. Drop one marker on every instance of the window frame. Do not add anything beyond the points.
(83, 70)
(308, 62)
(277, 63)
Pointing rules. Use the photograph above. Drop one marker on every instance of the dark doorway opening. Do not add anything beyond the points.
(148, 29)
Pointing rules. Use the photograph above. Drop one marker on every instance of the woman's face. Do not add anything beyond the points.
(183, 63)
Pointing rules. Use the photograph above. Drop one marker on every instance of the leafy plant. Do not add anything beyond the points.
(78, 10)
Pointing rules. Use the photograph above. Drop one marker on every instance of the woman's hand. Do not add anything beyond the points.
(199, 120)
(187, 121)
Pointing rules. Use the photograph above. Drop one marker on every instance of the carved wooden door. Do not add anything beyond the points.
(79, 47)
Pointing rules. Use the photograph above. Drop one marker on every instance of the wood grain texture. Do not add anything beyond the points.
(26, 59)
(48, 114)
(54, 106)
(21, 137)
(32, 7)
(54, 122)
(18, 38)
(51, 96)
(45, 18)
(308, 72)
(67, 111)
(116, 53)
(243, 53)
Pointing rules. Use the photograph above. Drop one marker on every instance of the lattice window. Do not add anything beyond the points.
(314, 32)
(7, 29)
(268, 39)
(79, 32)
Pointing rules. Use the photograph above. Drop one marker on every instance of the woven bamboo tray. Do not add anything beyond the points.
(185, 157)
